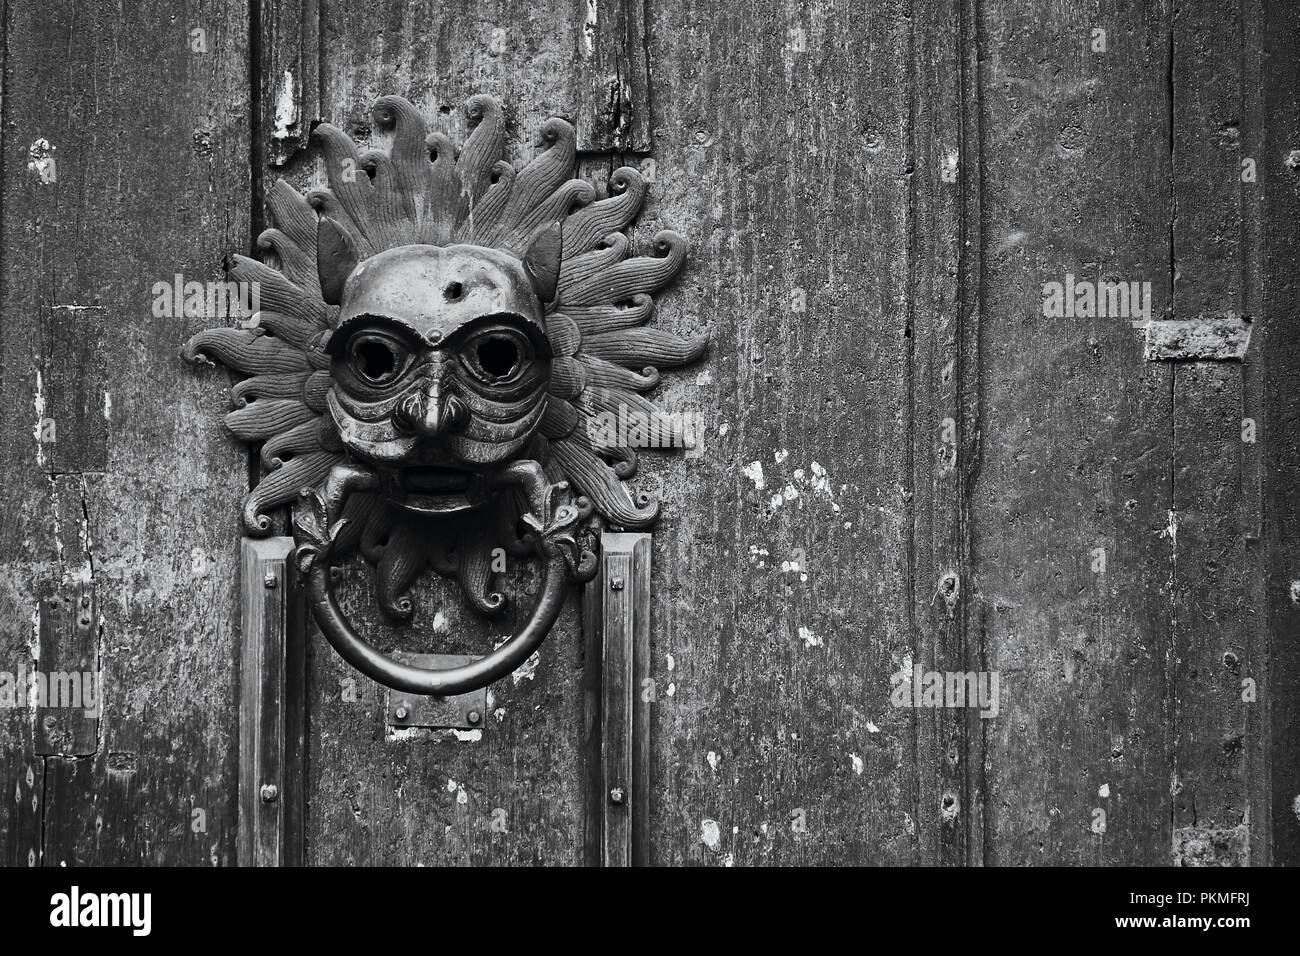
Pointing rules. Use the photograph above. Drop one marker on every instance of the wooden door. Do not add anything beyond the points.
(908, 465)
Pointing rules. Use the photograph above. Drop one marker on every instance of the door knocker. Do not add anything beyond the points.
(437, 334)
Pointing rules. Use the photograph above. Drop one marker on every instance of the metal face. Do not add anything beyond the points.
(440, 366)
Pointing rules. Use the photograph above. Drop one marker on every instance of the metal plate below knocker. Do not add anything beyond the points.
(403, 711)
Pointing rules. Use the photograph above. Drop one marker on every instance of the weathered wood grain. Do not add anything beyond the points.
(1277, 355)
(149, 138)
(1208, 276)
(1255, 122)
(73, 385)
(942, 416)
(287, 76)
(781, 607)
(69, 634)
(437, 54)
(1072, 533)
(613, 80)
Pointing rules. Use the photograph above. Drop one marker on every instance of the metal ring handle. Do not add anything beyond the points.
(553, 520)
(441, 683)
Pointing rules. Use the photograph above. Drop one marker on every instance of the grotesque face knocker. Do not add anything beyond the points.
(437, 335)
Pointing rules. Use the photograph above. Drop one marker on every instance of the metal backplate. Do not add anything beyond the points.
(463, 712)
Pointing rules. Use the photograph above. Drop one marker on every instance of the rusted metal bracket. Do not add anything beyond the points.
(616, 616)
(460, 712)
(1219, 338)
(271, 725)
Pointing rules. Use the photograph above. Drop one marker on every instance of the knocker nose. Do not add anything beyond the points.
(426, 413)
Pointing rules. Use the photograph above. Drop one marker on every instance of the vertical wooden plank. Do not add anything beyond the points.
(72, 447)
(69, 641)
(71, 436)
(125, 163)
(620, 621)
(1252, 448)
(1277, 354)
(1071, 503)
(1208, 270)
(271, 612)
(780, 587)
(943, 322)
(74, 423)
(290, 75)
(22, 773)
(1211, 641)
(970, 302)
(613, 85)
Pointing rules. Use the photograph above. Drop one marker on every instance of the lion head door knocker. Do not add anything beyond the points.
(437, 332)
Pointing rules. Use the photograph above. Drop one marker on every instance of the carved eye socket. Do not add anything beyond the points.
(376, 358)
(496, 355)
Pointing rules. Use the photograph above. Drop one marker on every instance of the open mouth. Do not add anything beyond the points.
(436, 490)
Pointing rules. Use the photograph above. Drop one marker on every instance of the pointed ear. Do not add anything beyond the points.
(542, 261)
(336, 257)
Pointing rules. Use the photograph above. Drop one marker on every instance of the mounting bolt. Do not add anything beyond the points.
(616, 584)
(270, 580)
(473, 716)
(270, 793)
(617, 795)
(400, 711)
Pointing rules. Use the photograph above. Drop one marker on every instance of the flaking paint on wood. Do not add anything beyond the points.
(144, 185)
